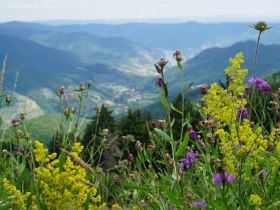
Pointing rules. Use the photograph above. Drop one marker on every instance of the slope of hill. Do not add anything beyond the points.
(114, 50)
(209, 65)
(37, 65)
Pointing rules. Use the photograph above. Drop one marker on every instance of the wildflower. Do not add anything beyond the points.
(263, 174)
(138, 146)
(130, 157)
(22, 115)
(189, 160)
(15, 122)
(229, 177)
(18, 149)
(161, 123)
(154, 123)
(203, 88)
(199, 204)
(242, 112)
(220, 178)
(106, 132)
(18, 199)
(117, 180)
(261, 26)
(260, 84)
(270, 148)
(274, 105)
(116, 207)
(8, 99)
(162, 62)
(159, 81)
(82, 86)
(89, 83)
(255, 199)
(67, 113)
(178, 56)
(61, 90)
(217, 178)
(193, 134)
(151, 148)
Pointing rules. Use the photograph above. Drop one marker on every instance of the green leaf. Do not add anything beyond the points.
(61, 161)
(165, 104)
(176, 110)
(5, 206)
(171, 197)
(138, 164)
(146, 156)
(163, 135)
(183, 146)
(219, 204)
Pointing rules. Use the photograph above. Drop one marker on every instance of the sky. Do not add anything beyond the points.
(192, 10)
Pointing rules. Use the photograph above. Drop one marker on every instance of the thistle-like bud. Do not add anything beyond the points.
(151, 148)
(203, 88)
(22, 115)
(82, 86)
(106, 132)
(178, 55)
(66, 113)
(8, 99)
(261, 26)
(162, 62)
(61, 90)
(89, 83)
(138, 146)
(117, 180)
(27, 135)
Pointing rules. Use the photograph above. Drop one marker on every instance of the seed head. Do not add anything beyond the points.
(8, 99)
(261, 26)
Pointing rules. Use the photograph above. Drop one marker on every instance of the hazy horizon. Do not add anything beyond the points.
(123, 11)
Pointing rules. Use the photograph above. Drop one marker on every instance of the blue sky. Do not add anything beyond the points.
(207, 10)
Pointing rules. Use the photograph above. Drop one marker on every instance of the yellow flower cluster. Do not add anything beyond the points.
(241, 141)
(255, 200)
(223, 104)
(237, 139)
(64, 187)
(18, 200)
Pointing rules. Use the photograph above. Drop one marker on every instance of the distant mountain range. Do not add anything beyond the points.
(119, 58)
(191, 37)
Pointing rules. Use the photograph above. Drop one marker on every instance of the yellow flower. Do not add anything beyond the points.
(17, 199)
(64, 187)
(116, 207)
(255, 200)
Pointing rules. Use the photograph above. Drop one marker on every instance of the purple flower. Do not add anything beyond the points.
(18, 149)
(217, 178)
(229, 177)
(193, 134)
(267, 88)
(242, 112)
(159, 81)
(220, 178)
(169, 208)
(263, 174)
(130, 157)
(270, 148)
(199, 204)
(15, 122)
(260, 84)
(189, 160)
